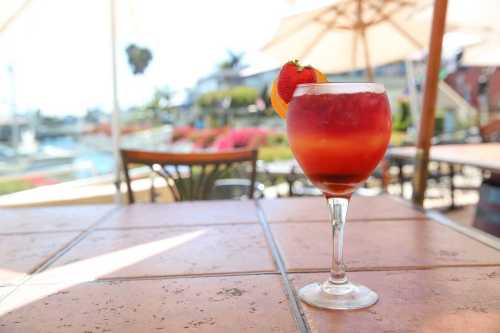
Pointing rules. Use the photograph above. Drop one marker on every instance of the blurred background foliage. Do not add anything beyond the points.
(239, 96)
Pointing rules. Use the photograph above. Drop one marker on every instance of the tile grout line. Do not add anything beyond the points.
(358, 220)
(28, 233)
(58, 253)
(186, 276)
(44, 265)
(173, 226)
(297, 312)
(168, 277)
(393, 268)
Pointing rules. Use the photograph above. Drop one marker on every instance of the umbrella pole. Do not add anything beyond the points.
(115, 113)
(426, 128)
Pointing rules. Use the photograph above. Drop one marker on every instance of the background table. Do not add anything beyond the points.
(230, 266)
(485, 156)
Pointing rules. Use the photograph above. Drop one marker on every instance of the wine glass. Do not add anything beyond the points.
(338, 132)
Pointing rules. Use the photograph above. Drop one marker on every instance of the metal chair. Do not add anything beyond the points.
(191, 176)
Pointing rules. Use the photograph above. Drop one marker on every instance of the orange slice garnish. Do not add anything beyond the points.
(320, 77)
(277, 102)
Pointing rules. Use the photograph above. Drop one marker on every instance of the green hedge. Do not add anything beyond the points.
(11, 186)
(240, 96)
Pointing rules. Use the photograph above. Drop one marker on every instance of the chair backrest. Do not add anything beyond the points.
(189, 176)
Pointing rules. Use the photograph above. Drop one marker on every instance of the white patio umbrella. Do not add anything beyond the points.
(486, 52)
(479, 19)
(352, 34)
(483, 54)
(479, 14)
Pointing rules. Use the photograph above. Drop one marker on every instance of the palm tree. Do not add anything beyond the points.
(228, 72)
(233, 61)
(138, 58)
(159, 102)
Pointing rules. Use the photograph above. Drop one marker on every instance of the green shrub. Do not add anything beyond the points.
(11, 186)
(439, 123)
(275, 153)
(278, 139)
(240, 96)
(401, 119)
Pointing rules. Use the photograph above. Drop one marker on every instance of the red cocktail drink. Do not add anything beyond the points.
(338, 132)
(338, 136)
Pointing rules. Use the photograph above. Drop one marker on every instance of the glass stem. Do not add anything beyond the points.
(338, 213)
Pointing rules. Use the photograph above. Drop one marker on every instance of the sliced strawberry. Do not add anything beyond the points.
(291, 75)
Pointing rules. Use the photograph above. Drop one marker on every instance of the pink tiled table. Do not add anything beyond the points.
(235, 267)
(484, 156)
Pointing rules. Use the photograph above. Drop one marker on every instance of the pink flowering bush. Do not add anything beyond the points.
(242, 138)
(223, 138)
(40, 180)
(182, 133)
(206, 137)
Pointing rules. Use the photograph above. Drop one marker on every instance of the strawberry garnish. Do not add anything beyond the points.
(291, 75)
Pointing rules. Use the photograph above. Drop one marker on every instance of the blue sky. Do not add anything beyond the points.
(60, 50)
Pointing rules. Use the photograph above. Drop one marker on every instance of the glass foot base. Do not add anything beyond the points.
(338, 297)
